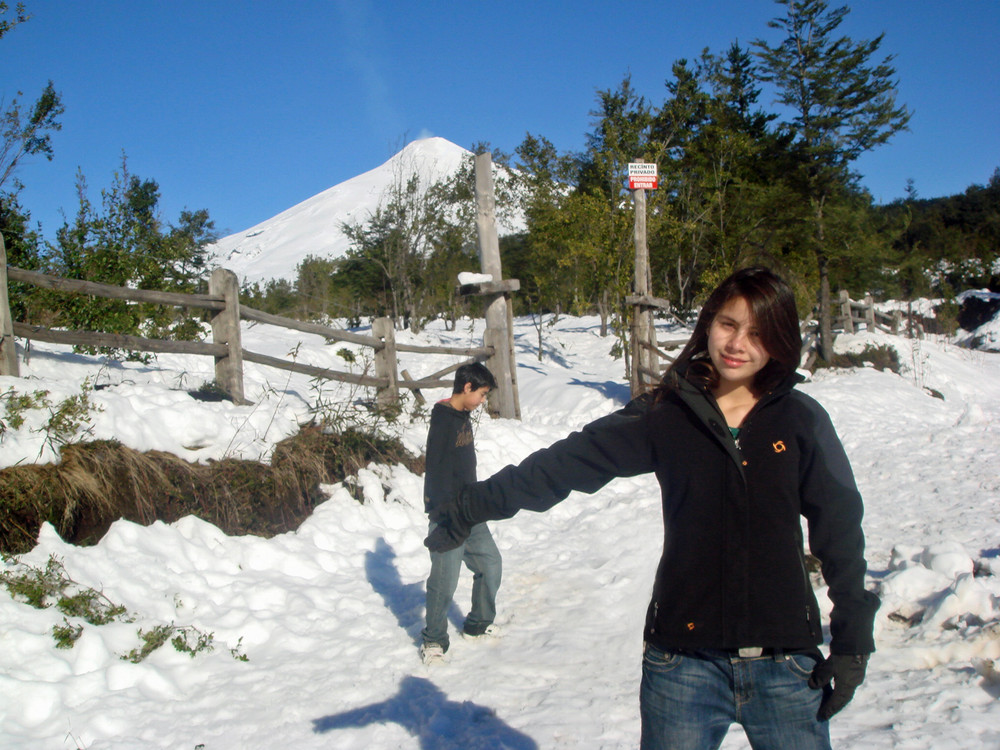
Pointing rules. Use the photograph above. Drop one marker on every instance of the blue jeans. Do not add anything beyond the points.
(688, 701)
(481, 556)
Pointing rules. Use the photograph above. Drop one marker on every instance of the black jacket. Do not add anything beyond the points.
(450, 455)
(732, 573)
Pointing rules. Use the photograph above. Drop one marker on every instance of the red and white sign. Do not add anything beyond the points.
(642, 176)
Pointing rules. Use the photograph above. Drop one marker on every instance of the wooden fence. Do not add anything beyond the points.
(854, 314)
(650, 358)
(849, 316)
(226, 346)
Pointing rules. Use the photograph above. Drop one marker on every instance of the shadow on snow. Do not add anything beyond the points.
(406, 601)
(440, 724)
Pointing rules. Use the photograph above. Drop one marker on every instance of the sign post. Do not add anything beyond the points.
(642, 177)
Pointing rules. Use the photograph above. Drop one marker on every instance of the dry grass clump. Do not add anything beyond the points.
(97, 483)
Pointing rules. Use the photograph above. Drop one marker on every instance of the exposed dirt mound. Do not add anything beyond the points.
(97, 483)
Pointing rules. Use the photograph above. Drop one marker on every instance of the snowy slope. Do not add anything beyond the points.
(274, 248)
(329, 615)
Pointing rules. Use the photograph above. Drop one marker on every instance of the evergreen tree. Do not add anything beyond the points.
(723, 200)
(952, 241)
(542, 260)
(275, 296)
(22, 133)
(28, 133)
(124, 243)
(314, 293)
(844, 104)
(602, 212)
(23, 247)
(23, 244)
(25, 132)
(187, 247)
(392, 265)
(6, 24)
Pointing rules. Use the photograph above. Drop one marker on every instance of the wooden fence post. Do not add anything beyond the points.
(8, 348)
(503, 402)
(869, 312)
(226, 330)
(845, 311)
(385, 361)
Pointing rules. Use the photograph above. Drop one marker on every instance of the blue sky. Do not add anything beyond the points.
(247, 108)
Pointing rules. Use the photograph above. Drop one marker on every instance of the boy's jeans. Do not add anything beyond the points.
(688, 701)
(481, 556)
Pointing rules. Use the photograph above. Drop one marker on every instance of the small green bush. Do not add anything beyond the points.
(66, 635)
(66, 420)
(52, 586)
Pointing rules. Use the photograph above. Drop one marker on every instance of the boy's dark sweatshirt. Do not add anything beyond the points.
(450, 455)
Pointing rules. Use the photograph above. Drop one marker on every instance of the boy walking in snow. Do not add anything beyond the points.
(451, 464)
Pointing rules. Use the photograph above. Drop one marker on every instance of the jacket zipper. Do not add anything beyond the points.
(808, 592)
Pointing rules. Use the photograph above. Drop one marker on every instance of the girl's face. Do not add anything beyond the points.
(734, 345)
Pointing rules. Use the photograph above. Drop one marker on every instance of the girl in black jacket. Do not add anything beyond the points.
(733, 627)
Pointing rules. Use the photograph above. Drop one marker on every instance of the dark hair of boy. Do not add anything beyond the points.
(476, 375)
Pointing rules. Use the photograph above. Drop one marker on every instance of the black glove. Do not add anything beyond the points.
(847, 672)
(454, 524)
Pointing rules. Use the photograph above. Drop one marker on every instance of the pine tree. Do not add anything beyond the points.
(25, 133)
(844, 104)
(124, 243)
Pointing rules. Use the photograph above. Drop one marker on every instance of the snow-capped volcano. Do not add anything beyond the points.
(274, 248)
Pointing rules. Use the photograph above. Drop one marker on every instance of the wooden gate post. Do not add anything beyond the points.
(499, 334)
(226, 330)
(845, 311)
(8, 348)
(869, 312)
(385, 361)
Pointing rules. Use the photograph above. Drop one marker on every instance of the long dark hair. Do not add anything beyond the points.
(772, 309)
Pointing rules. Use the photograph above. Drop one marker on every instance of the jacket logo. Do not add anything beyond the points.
(779, 447)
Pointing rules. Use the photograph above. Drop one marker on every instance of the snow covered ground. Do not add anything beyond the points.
(329, 615)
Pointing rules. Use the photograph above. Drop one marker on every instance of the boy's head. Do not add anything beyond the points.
(472, 383)
(475, 375)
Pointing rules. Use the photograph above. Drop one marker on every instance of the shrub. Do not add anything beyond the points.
(881, 357)
(52, 586)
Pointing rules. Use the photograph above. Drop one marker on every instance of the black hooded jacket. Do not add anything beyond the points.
(450, 455)
(732, 573)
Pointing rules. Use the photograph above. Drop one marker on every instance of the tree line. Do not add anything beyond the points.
(119, 240)
(741, 180)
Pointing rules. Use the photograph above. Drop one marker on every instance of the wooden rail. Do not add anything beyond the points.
(226, 347)
(854, 314)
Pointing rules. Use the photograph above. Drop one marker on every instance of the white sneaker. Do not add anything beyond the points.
(492, 631)
(431, 652)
